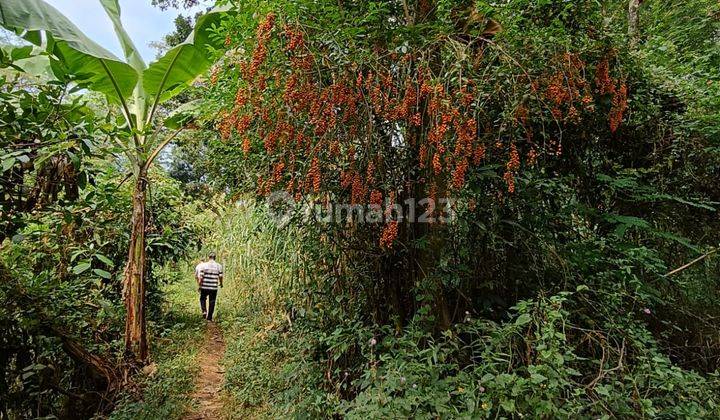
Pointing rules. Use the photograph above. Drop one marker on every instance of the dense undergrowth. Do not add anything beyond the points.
(285, 359)
(553, 292)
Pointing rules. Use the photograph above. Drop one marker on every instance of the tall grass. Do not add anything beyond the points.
(268, 363)
(262, 260)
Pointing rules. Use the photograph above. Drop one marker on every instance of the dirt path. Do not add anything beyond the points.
(210, 378)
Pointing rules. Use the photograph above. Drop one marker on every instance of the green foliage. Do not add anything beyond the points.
(68, 261)
(527, 365)
(64, 238)
(46, 142)
(681, 55)
(271, 371)
(556, 298)
(578, 354)
(552, 301)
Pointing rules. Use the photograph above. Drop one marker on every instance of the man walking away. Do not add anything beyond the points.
(209, 276)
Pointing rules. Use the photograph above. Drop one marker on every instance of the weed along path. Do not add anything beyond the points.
(210, 376)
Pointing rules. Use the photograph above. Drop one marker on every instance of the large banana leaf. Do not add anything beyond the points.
(174, 71)
(27, 59)
(138, 105)
(73, 53)
(132, 55)
(183, 114)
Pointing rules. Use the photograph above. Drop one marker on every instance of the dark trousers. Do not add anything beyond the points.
(204, 294)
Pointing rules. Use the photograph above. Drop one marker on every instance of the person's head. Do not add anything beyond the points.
(211, 256)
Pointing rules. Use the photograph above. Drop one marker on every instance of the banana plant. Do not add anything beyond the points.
(137, 90)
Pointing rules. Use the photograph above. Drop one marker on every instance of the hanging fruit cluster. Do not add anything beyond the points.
(324, 127)
(570, 94)
(616, 89)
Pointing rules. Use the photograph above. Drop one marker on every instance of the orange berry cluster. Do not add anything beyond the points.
(295, 37)
(340, 120)
(619, 105)
(225, 124)
(376, 197)
(389, 234)
(511, 167)
(314, 174)
(567, 89)
(264, 31)
(569, 92)
(606, 85)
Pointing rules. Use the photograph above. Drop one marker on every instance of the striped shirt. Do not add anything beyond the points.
(209, 273)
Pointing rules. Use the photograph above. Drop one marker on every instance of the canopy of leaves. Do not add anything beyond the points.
(166, 4)
(577, 277)
(581, 168)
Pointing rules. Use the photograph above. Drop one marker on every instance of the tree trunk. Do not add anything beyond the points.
(633, 33)
(134, 287)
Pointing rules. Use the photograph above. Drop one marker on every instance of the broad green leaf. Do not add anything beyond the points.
(183, 114)
(537, 378)
(523, 319)
(105, 260)
(132, 55)
(81, 268)
(8, 163)
(73, 53)
(102, 273)
(174, 71)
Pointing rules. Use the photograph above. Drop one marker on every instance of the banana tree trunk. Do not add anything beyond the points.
(135, 333)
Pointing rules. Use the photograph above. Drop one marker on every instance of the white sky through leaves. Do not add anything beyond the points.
(142, 21)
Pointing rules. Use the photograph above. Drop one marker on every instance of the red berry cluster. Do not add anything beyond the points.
(325, 127)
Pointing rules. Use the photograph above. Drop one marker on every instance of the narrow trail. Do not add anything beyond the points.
(210, 377)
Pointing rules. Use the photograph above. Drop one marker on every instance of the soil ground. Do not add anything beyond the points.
(210, 377)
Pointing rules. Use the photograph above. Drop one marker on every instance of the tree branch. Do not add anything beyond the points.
(691, 263)
(161, 146)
